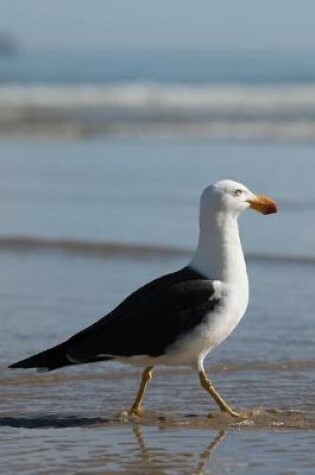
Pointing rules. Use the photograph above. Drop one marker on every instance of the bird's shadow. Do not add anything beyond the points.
(50, 421)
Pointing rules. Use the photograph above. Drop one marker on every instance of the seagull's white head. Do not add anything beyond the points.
(230, 197)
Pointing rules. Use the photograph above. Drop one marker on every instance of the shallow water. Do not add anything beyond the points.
(94, 193)
(69, 420)
(158, 450)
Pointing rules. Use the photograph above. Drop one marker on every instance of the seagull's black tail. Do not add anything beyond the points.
(53, 358)
(50, 359)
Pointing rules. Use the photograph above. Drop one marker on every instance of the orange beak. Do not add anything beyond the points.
(263, 204)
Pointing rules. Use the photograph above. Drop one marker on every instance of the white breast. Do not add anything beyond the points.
(192, 348)
(220, 323)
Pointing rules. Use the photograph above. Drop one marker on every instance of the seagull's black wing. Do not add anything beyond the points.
(145, 323)
(149, 320)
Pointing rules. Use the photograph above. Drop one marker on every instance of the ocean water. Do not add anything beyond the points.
(197, 67)
(146, 192)
(103, 158)
(240, 96)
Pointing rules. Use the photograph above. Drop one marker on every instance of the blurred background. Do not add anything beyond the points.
(114, 115)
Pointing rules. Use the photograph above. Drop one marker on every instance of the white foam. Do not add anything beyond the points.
(156, 96)
(230, 111)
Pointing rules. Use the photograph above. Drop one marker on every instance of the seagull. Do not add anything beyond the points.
(176, 319)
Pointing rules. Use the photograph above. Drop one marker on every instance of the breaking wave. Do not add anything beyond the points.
(273, 100)
(219, 111)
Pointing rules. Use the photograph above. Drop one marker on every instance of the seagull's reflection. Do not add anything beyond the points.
(206, 454)
(147, 456)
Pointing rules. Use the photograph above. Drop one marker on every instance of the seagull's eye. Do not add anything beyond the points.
(237, 192)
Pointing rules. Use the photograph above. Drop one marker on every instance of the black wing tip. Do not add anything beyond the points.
(35, 361)
(20, 364)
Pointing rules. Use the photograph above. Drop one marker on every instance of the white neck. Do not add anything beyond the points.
(219, 253)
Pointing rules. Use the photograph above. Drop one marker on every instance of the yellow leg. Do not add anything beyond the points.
(208, 386)
(146, 376)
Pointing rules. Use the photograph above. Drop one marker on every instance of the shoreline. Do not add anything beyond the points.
(254, 419)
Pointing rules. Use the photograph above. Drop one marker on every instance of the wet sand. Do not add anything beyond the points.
(36, 392)
(94, 438)
(77, 422)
